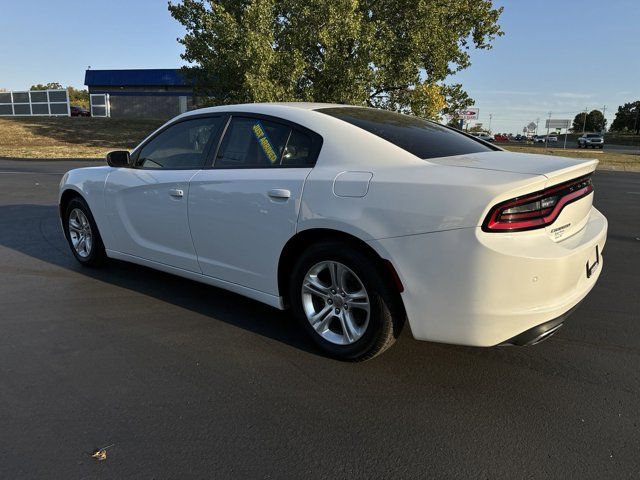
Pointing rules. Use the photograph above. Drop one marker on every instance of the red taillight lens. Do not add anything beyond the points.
(538, 209)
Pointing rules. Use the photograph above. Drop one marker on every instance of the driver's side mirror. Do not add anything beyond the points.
(118, 158)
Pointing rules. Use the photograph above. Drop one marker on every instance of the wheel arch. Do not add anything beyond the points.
(66, 196)
(305, 238)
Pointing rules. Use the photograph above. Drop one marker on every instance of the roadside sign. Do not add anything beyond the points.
(469, 114)
(558, 124)
(532, 127)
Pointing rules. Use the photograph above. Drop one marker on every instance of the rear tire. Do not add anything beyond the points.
(82, 234)
(343, 327)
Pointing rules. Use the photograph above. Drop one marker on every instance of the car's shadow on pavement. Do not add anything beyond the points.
(34, 230)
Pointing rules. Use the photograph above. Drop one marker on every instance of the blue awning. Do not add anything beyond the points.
(163, 77)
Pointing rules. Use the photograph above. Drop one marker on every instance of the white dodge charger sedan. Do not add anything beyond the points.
(355, 218)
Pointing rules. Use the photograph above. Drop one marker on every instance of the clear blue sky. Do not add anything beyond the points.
(558, 56)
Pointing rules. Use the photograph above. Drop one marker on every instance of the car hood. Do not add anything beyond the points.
(527, 163)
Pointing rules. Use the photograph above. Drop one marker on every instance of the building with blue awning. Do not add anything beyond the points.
(149, 93)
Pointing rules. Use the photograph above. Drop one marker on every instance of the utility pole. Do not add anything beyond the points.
(546, 139)
(490, 117)
(537, 123)
(584, 123)
(635, 126)
(604, 122)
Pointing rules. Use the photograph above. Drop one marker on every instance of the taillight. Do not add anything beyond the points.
(536, 210)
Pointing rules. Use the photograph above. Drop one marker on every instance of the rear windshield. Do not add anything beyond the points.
(593, 135)
(420, 137)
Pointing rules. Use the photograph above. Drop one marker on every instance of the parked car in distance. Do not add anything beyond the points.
(356, 219)
(77, 111)
(500, 137)
(545, 139)
(593, 140)
(484, 136)
(519, 138)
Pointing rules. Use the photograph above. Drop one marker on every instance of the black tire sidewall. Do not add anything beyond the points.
(379, 297)
(97, 254)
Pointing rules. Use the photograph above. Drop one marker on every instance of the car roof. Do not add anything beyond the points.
(267, 107)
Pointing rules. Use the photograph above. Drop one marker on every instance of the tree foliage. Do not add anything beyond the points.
(47, 86)
(595, 122)
(627, 118)
(392, 54)
(79, 97)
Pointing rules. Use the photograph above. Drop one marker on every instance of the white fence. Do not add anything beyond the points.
(35, 102)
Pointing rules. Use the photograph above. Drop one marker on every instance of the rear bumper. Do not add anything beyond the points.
(474, 288)
(539, 333)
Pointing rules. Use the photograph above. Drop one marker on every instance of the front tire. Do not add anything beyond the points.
(82, 234)
(342, 299)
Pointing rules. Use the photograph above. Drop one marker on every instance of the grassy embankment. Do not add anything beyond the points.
(608, 160)
(66, 137)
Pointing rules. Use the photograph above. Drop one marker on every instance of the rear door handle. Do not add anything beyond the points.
(280, 193)
(176, 193)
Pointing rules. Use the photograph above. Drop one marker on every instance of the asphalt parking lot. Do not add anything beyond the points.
(182, 380)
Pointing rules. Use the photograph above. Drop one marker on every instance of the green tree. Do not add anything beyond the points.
(579, 123)
(78, 97)
(595, 122)
(47, 86)
(392, 54)
(456, 100)
(627, 118)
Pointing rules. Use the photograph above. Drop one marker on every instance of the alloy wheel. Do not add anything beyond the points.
(80, 233)
(335, 302)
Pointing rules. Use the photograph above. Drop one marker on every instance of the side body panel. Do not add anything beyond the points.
(474, 288)
(89, 183)
(240, 222)
(147, 213)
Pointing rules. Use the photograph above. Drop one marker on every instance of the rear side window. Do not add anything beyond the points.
(260, 143)
(420, 137)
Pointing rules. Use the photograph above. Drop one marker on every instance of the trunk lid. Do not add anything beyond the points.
(528, 163)
(557, 170)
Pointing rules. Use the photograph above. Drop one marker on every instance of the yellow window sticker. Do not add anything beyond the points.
(265, 143)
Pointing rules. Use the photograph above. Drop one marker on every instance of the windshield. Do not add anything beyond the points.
(420, 137)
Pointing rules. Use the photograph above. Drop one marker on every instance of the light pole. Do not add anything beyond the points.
(604, 122)
(584, 123)
(490, 117)
(546, 139)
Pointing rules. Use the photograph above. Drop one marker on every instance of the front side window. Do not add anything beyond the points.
(422, 138)
(181, 146)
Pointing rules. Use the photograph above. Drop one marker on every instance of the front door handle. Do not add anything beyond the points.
(176, 193)
(280, 193)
